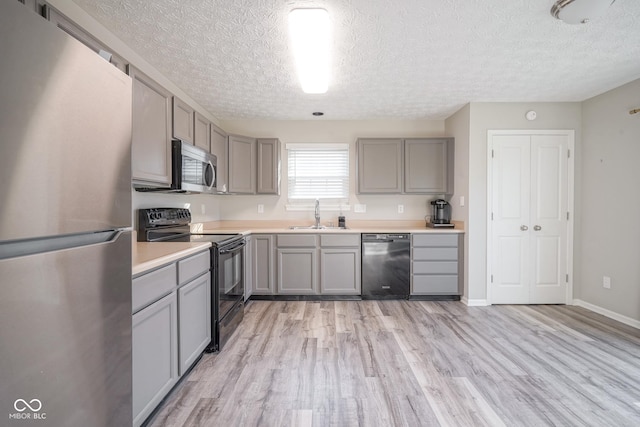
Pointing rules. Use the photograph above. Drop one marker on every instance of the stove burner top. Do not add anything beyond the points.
(173, 225)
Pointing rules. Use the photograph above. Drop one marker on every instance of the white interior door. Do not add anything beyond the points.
(529, 205)
(510, 212)
(548, 230)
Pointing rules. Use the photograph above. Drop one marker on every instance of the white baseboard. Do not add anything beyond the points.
(608, 313)
(474, 302)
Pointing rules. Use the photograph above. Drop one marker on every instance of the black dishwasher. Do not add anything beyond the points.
(385, 266)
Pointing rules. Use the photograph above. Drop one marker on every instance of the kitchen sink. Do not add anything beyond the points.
(313, 227)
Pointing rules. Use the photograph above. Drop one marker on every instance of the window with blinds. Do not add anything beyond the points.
(318, 171)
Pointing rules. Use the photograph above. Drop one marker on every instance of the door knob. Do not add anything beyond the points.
(524, 228)
(537, 228)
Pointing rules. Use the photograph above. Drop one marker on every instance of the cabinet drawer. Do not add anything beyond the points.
(435, 285)
(435, 254)
(435, 267)
(343, 240)
(296, 240)
(192, 267)
(435, 240)
(152, 286)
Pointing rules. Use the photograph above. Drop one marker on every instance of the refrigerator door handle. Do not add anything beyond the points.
(19, 248)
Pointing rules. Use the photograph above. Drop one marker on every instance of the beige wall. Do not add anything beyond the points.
(457, 126)
(378, 206)
(610, 204)
(492, 116)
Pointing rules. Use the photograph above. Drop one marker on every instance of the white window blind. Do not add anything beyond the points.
(318, 171)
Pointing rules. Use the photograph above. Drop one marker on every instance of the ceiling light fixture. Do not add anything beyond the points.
(579, 11)
(309, 30)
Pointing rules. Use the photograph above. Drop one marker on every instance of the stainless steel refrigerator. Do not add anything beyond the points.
(65, 229)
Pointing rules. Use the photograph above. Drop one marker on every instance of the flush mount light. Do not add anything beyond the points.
(310, 37)
(579, 11)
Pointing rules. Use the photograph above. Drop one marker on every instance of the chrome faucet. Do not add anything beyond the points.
(317, 213)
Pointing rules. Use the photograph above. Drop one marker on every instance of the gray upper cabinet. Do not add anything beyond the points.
(202, 132)
(242, 165)
(268, 166)
(151, 138)
(411, 166)
(379, 166)
(79, 34)
(219, 148)
(183, 120)
(428, 164)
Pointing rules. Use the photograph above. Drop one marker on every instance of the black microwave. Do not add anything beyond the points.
(193, 169)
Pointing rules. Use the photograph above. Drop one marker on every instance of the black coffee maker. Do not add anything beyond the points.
(440, 214)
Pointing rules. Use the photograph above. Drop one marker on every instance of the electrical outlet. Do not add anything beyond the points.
(203, 209)
(260, 208)
(606, 282)
(400, 208)
(360, 208)
(461, 200)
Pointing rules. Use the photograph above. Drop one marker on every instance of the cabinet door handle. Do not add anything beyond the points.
(524, 228)
(537, 228)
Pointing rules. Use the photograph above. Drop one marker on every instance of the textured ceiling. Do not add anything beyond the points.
(392, 59)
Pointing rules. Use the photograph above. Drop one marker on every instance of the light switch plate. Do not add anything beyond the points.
(260, 208)
(400, 208)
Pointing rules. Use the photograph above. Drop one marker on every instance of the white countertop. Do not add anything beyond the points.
(149, 255)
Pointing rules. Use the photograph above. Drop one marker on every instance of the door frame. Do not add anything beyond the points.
(570, 134)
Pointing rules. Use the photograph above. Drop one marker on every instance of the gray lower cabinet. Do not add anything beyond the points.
(340, 259)
(263, 272)
(268, 160)
(318, 264)
(171, 327)
(194, 311)
(407, 166)
(242, 164)
(151, 136)
(297, 271)
(220, 149)
(436, 264)
(183, 120)
(296, 264)
(155, 355)
(247, 252)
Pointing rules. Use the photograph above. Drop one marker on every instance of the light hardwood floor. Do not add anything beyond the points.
(414, 363)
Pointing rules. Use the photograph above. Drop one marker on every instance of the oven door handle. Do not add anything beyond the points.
(235, 248)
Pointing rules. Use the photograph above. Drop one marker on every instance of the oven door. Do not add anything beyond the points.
(230, 276)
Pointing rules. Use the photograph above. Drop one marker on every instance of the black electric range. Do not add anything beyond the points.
(227, 265)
